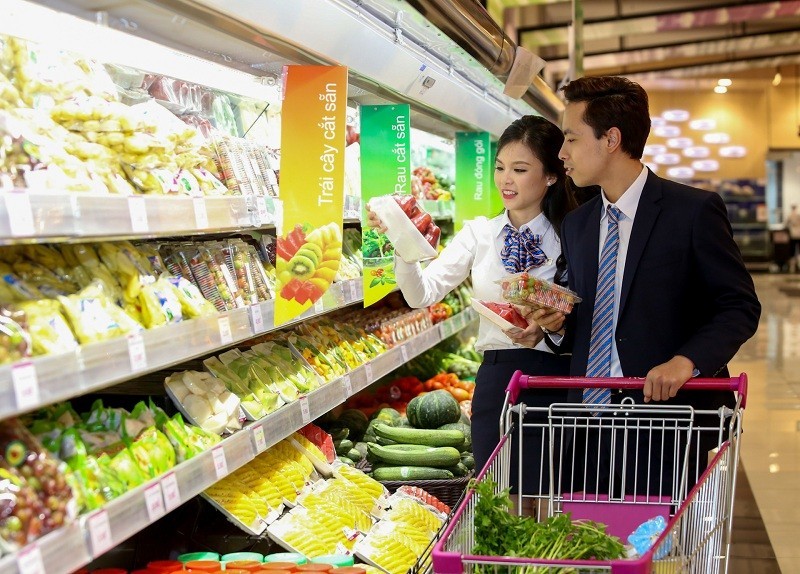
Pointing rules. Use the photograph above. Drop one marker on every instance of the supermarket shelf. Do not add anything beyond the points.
(70, 548)
(68, 216)
(30, 384)
(442, 210)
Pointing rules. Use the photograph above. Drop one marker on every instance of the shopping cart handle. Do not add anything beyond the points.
(520, 381)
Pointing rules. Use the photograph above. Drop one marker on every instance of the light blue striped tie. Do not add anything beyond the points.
(599, 364)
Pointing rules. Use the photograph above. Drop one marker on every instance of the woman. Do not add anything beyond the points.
(525, 237)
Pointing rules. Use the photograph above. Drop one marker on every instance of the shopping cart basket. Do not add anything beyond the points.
(638, 462)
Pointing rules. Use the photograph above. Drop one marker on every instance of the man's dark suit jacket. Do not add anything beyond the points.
(685, 289)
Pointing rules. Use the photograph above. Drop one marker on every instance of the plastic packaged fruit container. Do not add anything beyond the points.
(314, 568)
(409, 241)
(280, 566)
(188, 557)
(233, 556)
(524, 289)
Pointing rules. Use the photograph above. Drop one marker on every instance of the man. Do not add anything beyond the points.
(665, 293)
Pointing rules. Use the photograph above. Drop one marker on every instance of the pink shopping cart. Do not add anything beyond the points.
(636, 462)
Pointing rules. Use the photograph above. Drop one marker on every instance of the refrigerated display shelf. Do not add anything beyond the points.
(74, 546)
(36, 382)
(442, 210)
(53, 217)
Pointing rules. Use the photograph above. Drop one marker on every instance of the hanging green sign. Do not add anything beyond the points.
(474, 169)
(385, 169)
(495, 199)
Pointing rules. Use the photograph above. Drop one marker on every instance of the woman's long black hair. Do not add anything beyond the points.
(545, 139)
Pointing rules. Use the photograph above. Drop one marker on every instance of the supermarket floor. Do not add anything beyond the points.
(770, 450)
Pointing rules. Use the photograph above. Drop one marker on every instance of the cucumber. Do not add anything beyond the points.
(346, 460)
(384, 441)
(428, 437)
(468, 460)
(342, 446)
(354, 455)
(340, 433)
(410, 473)
(434, 456)
(458, 469)
(407, 447)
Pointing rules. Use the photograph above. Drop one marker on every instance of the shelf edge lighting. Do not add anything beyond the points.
(106, 45)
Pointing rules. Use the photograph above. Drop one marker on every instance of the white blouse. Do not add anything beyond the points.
(476, 250)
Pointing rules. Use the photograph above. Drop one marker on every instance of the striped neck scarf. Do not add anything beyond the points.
(521, 251)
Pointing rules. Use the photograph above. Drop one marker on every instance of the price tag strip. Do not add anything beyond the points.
(100, 533)
(259, 440)
(169, 487)
(305, 411)
(225, 334)
(29, 560)
(154, 500)
(256, 319)
(20, 214)
(348, 387)
(138, 212)
(26, 385)
(200, 212)
(220, 464)
(136, 352)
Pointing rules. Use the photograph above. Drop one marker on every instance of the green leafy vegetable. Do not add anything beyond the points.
(500, 532)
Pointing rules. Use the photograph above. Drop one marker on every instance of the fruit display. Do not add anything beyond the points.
(36, 493)
(420, 218)
(524, 289)
(244, 167)
(504, 315)
(352, 262)
(205, 401)
(15, 337)
(307, 261)
(426, 185)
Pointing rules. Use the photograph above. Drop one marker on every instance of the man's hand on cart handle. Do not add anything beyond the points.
(665, 380)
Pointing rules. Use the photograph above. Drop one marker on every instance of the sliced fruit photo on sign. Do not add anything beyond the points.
(307, 261)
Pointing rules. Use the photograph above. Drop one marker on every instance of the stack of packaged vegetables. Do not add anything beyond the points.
(111, 451)
(352, 263)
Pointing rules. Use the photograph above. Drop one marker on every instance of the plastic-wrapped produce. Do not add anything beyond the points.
(43, 499)
(15, 340)
(94, 317)
(192, 302)
(49, 330)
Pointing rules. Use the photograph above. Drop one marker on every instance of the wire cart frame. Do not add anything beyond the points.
(693, 491)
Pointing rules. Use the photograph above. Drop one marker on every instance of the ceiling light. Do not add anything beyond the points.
(703, 124)
(697, 152)
(680, 143)
(667, 131)
(654, 149)
(680, 172)
(705, 165)
(667, 159)
(716, 138)
(776, 80)
(724, 82)
(733, 151)
(720, 89)
(675, 115)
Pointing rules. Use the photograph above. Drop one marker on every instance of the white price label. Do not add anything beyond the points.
(259, 439)
(256, 319)
(305, 411)
(225, 334)
(353, 290)
(263, 213)
(155, 502)
(100, 533)
(136, 352)
(200, 212)
(20, 214)
(368, 371)
(26, 385)
(29, 560)
(220, 464)
(138, 212)
(404, 351)
(348, 387)
(319, 306)
(172, 496)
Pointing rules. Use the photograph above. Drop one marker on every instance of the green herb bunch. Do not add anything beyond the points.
(499, 532)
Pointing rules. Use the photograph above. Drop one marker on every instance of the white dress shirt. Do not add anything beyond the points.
(476, 250)
(627, 204)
